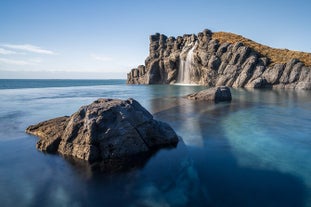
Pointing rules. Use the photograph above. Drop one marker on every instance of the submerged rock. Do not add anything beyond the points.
(216, 94)
(106, 129)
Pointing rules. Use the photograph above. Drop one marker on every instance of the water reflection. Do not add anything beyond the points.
(112, 166)
(251, 152)
(217, 163)
(277, 137)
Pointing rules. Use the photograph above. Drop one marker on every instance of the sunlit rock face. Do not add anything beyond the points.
(215, 94)
(199, 59)
(106, 129)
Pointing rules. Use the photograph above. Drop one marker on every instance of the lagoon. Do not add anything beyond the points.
(254, 151)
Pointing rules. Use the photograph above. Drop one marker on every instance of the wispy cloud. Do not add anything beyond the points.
(7, 52)
(102, 58)
(29, 48)
(20, 62)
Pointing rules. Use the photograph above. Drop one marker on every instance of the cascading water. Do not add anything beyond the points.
(185, 68)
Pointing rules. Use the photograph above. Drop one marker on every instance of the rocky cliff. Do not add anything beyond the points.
(216, 59)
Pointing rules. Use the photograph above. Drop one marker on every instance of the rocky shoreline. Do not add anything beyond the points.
(209, 62)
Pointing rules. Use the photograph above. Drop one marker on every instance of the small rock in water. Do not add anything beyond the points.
(104, 130)
(216, 94)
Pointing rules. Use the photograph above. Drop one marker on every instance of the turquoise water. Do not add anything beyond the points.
(254, 151)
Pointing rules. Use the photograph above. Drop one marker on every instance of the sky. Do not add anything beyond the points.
(103, 39)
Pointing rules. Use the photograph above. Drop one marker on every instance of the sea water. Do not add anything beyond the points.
(254, 151)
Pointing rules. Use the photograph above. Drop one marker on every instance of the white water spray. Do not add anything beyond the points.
(185, 68)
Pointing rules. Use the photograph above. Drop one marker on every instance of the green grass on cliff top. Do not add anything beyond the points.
(275, 55)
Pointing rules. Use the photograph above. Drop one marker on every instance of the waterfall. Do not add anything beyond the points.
(185, 68)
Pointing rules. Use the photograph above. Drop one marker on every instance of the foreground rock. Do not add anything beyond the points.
(214, 63)
(106, 129)
(216, 94)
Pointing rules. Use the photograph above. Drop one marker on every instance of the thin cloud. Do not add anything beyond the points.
(29, 48)
(20, 62)
(102, 58)
(7, 52)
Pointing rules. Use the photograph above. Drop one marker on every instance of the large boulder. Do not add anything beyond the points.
(103, 130)
(216, 94)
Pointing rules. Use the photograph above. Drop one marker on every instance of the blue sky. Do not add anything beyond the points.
(105, 39)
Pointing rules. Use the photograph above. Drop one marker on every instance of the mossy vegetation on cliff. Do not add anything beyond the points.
(217, 59)
(275, 55)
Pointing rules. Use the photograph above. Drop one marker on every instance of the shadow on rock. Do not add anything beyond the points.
(112, 165)
(109, 134)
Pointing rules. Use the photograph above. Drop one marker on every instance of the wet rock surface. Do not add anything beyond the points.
(106, 130)
(216, 94)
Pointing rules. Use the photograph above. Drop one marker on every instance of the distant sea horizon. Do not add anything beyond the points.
(17, 83)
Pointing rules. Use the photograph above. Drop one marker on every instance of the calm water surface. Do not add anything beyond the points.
(254, 151)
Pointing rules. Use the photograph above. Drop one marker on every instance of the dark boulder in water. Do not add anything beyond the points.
(105, 130)
(216, 94)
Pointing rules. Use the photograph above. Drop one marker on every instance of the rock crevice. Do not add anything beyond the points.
(105, 129)
(215, 64)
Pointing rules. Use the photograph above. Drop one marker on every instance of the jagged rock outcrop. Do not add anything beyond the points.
(215, 94)
(104, 130)
(214, 64)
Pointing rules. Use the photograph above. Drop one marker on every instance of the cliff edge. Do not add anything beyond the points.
(216, 59)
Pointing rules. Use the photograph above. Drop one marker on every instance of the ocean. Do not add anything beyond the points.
(254, 151)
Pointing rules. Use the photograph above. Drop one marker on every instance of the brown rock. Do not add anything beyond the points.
(51, 133)
(217, 63)
(105, 129)
(216, 94)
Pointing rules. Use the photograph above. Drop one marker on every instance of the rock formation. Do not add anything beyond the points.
(104, 130)
(215, 94)
(206, 60)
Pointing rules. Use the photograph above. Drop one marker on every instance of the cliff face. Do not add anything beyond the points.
(202, 59)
